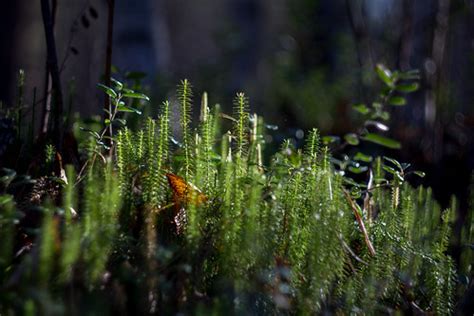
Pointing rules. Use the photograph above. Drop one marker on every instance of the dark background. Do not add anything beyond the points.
(301, 62)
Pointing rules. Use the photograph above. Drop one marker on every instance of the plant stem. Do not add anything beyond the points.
(361, 223)
(108, 128)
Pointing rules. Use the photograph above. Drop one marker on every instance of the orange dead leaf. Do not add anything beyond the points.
(184, 193)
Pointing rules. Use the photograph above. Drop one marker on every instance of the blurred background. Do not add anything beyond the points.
(301, 62)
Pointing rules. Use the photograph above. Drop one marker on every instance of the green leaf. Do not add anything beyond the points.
(136, 95)
(93, 133)
(394, 162)
(410, 75)
(114, 69)
(349, 181)
(421, 174)
(357, 170)
(384, 74)
(361, 108)
(121, 121)
(124, 108)
(356, 192)
(399, 101)
(385, 116)
(405, 165)
(352, 139)
(330, 139)
(389, 169)
(363, 157)
(407, 87)
(5, 199)
(111, 93)
(118, 84)
(377, 106)
(8, 177)
(382, 140)
(104, 145)
(378, 125)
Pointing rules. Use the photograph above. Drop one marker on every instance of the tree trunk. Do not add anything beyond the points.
(52, 66)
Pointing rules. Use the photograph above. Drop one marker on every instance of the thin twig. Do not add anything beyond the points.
(351, 252)
(368, 198)
(361, 223)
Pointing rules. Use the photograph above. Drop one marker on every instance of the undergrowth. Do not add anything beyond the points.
(205, 225)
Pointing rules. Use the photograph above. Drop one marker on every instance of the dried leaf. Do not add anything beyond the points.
(183, 192)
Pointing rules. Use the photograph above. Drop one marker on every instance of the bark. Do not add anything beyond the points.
(435, 77)
(360, 33)
(108, 58)
(53, 70)
(406, 37)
